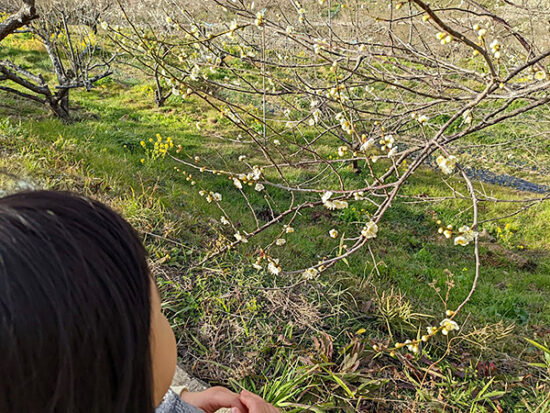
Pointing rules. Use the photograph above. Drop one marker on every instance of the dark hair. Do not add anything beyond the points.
(74, 308)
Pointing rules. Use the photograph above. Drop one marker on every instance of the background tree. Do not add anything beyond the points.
(75, 57)
(24, 16)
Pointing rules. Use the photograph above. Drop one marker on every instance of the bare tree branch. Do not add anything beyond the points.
(25, 15)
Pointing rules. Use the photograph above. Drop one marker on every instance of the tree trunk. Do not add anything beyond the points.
(60, 107)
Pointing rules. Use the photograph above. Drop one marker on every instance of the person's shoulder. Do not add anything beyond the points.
(172, 403)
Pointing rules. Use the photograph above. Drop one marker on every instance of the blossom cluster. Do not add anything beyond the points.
(344, 123)
(480, 31)
(249, 178)
(366, 144)
(420, 118)
(260, 19)
(210, 196)
(447, 164)
(446, 326)
(446, 231)
(333, 204)
(464, 235)
(370, 230)
(444, 38)
(495, 49)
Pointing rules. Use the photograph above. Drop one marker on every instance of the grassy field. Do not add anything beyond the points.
(300, 344)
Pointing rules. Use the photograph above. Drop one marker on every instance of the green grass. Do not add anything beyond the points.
(234, 324)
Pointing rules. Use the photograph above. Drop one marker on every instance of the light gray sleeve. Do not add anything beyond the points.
(172, 403)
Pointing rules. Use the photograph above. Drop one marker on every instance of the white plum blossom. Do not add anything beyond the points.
(288, 229)
(259, 187)
(333, 233)
(467, 232)
(280, 241)
(326, 196)
(301, 13)
(256, 172)
(224, 220)
(319, 45)
(460, 240)
(342, 150)
(540, 75)
(422, 119)
(387, 142)
(467, 236)
(411, 346)
(237, 183)
(495, 48)
(276, 142)
(446, 164)
(365, 146)
(444, 38)
(239, 237)
(358, 195)
(194, 75)
(344, 123)
(316, 115)
(448, 326)
(259, 19)
(310, 273)
(273, 267)
(370, 230)
(336, 204)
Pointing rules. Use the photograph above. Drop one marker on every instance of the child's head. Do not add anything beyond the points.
(80, 322)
